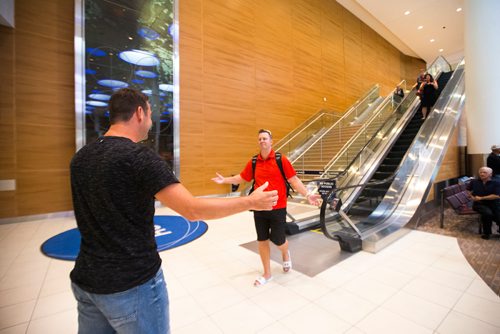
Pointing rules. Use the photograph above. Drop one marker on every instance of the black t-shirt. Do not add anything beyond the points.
(113, 183)
(478, 188)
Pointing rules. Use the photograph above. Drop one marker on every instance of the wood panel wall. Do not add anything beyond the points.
(37, 138)
(244, 64)
(250, 64)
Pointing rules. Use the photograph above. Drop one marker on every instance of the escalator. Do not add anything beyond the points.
(394, 203)
(373, 193)
(303, 216)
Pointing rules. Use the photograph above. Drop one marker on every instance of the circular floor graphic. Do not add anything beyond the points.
(170, 232)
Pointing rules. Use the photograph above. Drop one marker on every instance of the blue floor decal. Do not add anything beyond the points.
(170, 232)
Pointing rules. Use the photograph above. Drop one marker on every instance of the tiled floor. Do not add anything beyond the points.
(420, 284)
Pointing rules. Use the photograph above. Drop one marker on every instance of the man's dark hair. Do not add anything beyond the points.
(124, 103)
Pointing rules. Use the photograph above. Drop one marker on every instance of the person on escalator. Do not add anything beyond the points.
(428, 94)
(271, 225)
(419, 80)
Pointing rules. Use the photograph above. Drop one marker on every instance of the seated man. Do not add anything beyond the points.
(486, 196)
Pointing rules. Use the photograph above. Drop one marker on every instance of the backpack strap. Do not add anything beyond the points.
(280, 166)
(254, 163)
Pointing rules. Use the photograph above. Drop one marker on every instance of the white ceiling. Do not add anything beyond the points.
(439, 19)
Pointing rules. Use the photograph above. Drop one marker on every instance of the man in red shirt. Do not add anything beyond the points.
(271, 225)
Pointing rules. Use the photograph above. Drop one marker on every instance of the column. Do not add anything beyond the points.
(482, 79)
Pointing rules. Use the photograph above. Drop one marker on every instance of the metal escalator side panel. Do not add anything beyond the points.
(363, 169)
(420, 167)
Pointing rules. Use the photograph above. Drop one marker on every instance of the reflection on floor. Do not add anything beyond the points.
(311, 252)
(420, 284)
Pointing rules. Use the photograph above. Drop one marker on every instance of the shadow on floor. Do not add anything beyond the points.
(311, 252)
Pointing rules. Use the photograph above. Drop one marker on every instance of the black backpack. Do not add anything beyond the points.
(289, 188)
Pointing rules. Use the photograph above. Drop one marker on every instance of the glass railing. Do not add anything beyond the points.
(369, 128)
(439, 65)
(365, 162)
(316, 127)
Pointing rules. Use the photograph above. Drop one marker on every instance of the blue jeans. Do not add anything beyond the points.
(142, 309)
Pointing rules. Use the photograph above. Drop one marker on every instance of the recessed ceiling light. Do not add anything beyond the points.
(459, 9)
(432, 40)
(441, 50)
(408, 12)
(420, 27)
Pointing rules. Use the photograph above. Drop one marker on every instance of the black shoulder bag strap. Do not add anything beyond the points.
(280, 166)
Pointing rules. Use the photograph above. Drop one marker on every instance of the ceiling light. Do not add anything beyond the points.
(420, 27)
(408, 12)
(459, 9)
(432, 40)
(441, 50)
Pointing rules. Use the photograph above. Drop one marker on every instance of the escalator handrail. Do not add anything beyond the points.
(381, 225)
(376, 114)
(305, 124)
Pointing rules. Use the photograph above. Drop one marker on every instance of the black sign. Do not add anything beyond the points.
(325, 187)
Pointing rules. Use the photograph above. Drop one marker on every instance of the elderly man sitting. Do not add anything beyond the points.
(486, 196)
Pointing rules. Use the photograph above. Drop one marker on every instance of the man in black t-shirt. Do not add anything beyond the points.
(117, 279)
(486, 196)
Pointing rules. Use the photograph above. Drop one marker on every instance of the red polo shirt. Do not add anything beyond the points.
(268, 170)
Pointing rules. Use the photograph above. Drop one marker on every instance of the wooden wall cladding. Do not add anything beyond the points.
(244, 64)
(37, 108)
(450, 166)
(250, 64)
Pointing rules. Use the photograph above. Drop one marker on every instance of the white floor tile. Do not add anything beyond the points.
(53, 304)
(218, 297)
(335, 277)
(446, 278)
(388, 276)
(316, 318)
(307, 287)
(245, 316)
(18, 329)
(354, 330)
(387, 322)
(480, 289)
(420, 311)
(458, 323)
(279, 301)
(17, 295)
(455, 263)
(479, 308)
(275, 328)
(185, 311)
(205, 326)
(16, 314)
(369, 289)
(60, 323)
(346, 305)
(55, 285)
(433, 292)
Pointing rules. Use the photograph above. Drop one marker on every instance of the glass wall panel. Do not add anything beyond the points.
(129, 43)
